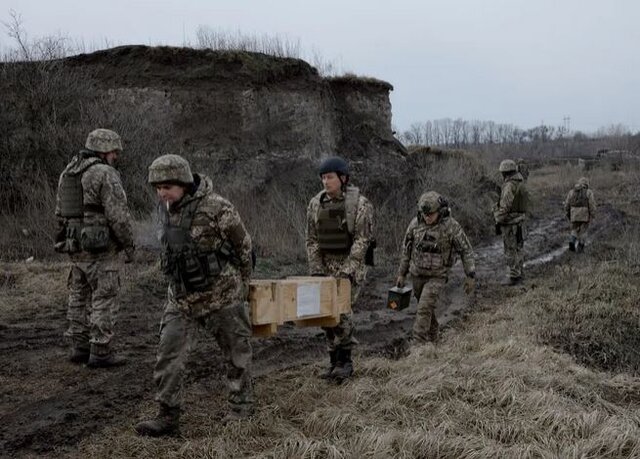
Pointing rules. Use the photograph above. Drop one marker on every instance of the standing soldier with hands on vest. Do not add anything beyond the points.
(207, 259)
(95, 224)
(580, 208)
(339, 243)
(510, 214)
(431, 243)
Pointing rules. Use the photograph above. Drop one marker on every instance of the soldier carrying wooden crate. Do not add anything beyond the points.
(339, 243)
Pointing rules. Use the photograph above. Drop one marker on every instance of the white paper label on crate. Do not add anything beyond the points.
(308, 299)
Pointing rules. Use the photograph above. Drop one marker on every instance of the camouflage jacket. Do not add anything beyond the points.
(215, 221)
(353, 264)
(571, 201)
(430, 250)
(504, 212)
(102, 187)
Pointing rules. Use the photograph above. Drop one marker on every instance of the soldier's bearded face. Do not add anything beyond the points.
(170, 193)
(332, 183)
(430, 219)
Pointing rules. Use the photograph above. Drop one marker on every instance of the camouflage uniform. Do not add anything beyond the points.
(221, 309)
(510, 214)
(580, 209)
(351, 264)
(94, 278)
(428, 252)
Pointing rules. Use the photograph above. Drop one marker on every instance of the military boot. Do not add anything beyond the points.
(333, 359)
(167, 422)
(79, 353)
(344, 366)
(103, 357)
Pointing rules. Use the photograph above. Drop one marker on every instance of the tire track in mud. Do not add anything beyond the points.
(48, 405)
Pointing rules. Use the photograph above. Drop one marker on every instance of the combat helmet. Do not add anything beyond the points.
(334, 164)
(508, 165)
(583, 182)
(431, 202)
(170, 168)
(103, 141)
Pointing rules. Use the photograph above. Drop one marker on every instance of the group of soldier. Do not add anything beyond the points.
(207, 258)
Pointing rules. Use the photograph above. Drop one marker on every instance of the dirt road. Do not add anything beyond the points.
(48, 405)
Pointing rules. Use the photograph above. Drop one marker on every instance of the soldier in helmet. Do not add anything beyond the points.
(523, 168)
(431, 243)
(207, 259)
(339, 236)
(510, 214)
(580, 208)
(95, 224)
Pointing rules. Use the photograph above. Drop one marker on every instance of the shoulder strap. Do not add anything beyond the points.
(351, 207)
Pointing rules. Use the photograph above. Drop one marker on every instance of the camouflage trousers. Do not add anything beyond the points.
(93, 302)
(577, 231)
(513, 239)
(427, 290)
(231, 328)
(341, 336)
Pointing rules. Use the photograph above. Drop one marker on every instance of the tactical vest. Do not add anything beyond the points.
(333, 234)
(190, 268)
(336, 221)
(520, 199)
(76, 236)
(433, 251)
(580, 198)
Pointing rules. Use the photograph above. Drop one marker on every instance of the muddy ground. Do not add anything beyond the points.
(59, 404)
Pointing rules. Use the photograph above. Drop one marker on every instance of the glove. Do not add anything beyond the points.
(469, 285)
(400, 282)
(128, 255)
(346, 275)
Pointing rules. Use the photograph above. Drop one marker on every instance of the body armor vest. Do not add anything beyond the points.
(432, 251)
(190, 268)
(520, 199)
(333, 231)
(74, 237)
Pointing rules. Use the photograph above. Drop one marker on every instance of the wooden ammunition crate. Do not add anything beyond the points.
(306, 301)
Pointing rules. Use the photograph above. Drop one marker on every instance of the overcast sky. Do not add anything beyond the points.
(509, 61)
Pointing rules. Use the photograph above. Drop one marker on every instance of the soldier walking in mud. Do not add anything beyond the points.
(580, 209)
(339, 243)
(431, 243)
(207, 258)
(95, 224)
(510, 214)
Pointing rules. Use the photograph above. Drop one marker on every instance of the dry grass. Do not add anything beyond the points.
(490, 389)
(499, 385)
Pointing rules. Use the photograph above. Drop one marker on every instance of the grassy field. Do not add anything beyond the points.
(547, 371)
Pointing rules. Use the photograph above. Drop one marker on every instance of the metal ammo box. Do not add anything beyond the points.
(399, 298)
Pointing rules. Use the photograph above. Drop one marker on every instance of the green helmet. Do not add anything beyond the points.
(508, 165)
(103, 141)
(431, 202)
(170, 168)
